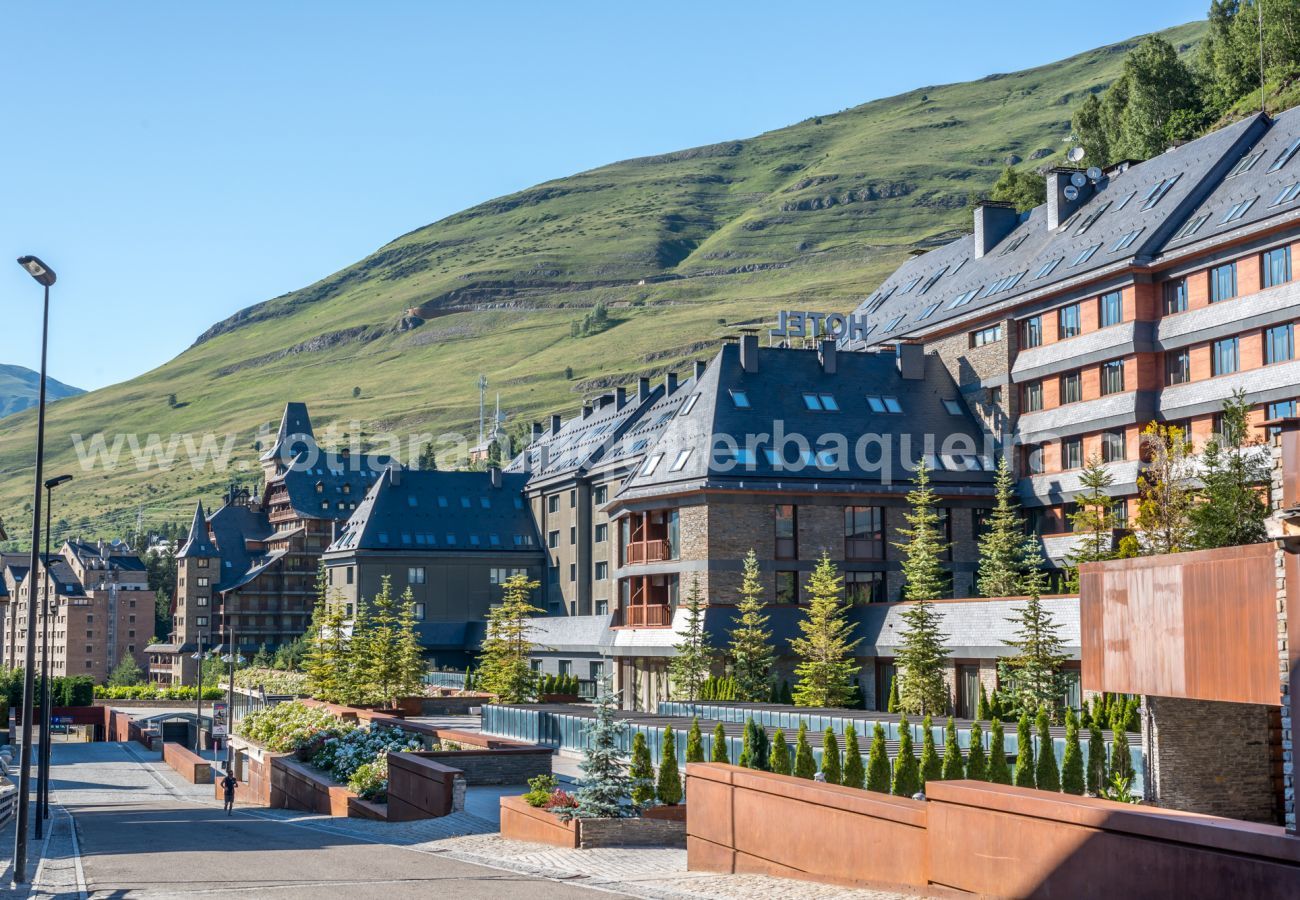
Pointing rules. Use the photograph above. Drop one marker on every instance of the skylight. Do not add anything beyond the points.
(1287, 194)
(932, 279)
(1127, 240)
(1285, 156)
(1238, 211)
(884, 404)
(1085, 255)
(1123, 203)
(1048, 267)
(911, 284)
(963, 299)
(1014, 244)
(1192, 226)
(1247, 163)
(894, 323)
(928, 311)
(651, 464)
(741, 399)
(1158, 192)
(824, 402)
(960, 264)
(680, 462)
(1092, 218)
(689, 404)
(953, 407)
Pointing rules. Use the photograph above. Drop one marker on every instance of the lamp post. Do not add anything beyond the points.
(234, 659)
(43, 764)
(45, 277)
(198, 693)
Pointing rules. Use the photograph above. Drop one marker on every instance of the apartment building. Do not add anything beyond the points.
(1147, 292)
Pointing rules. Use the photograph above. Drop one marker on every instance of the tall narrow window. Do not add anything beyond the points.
(787, 587)
(1031, 332)
(1110, 309)
(1112, 377)
(787, 527)
(1031, 397)
(1276, 267)
(1178, 367)
(864, 587)
(1112, 446)
(1071, 388)
(1223, 282)
(1072, 453)
(1224, 356)
(1067, 319)
(1176, 296)
(864, 533)
(1279, 344)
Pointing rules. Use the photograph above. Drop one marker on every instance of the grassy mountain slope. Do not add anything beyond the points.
(20, 387)
(810, 216)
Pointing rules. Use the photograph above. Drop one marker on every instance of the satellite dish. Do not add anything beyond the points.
(1078, 179)
(1075, 154)
(1071, 192)
(1094, 173)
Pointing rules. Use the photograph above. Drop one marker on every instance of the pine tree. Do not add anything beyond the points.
(754, 749)
(1164, 507)
(1121, 763)
(925, 578)
(1096, 759)
(390, 657)
(1232, 508)
(263, 658)
(719, 745)
(125, 673)
(1094, 520)
(1034, 672)
(669, 787)
(982, 707)
(641, 773)
(931, 765)
(977, 762)
(804, 765)
(787, 695)
(605, 783)
(1072, 776)
(831, 769)
(907, 771)
(1047, 777)
(751, 650)
(952, 763)
(1024, 774)
(854, 774)
(999, 771)
(779, 761)
(878, 762)
(694, 742)
(330, 666)
(825, 651)
(1002, 544)
(504, 668)
(689, 666)
(923, 651)
(762, 749)
(892, 705)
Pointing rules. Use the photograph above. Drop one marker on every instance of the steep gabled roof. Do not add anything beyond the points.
(295, 433)
(198, 544)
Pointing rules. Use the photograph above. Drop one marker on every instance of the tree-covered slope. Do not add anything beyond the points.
(679, 248)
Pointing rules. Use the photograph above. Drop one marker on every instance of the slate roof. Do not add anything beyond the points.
(342, 479)
(936, 287)
(198, 544)
(233, 526)
(295, 434)
(432, 511)
(117, 556)
(691, 451)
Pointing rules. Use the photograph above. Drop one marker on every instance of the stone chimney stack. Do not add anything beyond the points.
(1059, 207)
(828, 357)
(749, 352)
(994, 220)
(642, 389)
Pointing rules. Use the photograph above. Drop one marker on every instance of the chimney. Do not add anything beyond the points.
(994, 220)
(543, 458)
(749, 352)
(620, 395)
(537, 430)
(911, 361)
(586, 410)
(395, 474)
(670, 383)
(1058, 207)
(555, 424)
(494, 474)
(828, 357)
(642, 389)
(700, 366)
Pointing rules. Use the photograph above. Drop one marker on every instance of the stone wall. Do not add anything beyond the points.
(979, 370)
(637, 832)
(496, 766)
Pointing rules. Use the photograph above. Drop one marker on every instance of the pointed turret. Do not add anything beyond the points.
(198, 544)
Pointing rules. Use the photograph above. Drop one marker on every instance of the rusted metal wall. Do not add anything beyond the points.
(1200, 626)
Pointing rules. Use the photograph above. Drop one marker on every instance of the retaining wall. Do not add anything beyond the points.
(192, 767)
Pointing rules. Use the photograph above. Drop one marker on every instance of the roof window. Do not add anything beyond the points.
(824, 402)
(1092, 218)
(1285, 156)
(741, 399)
(1238, 211)
(1127, 240)
(690, 404)
(651, 464)
(929, 283)
(1192, 226)
(683, 456)
(879, 404)
(1123, 203)
(927, 312)
(1157, 193)
(1287, 194)
(1247, 163)
(953, 407)
(1085, 255)
(1048, 267)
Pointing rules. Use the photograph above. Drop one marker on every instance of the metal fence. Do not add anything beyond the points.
(453, 680)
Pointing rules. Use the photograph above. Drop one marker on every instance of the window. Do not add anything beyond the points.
(553, 503)
(1031, 332)
(1127, 240)
(864, 587)
(419, 612)
(1175, 296)
(602, 532)
(884, 404)
(1067, 322)
(893, 323)
(1224, 356)
(1048, 267)
(953, 407)
(1279, 344)
(1275, 267)
(553, 539)
(990, 335)
(1223, 282)
(1072, 453)
(200, 621)
(1031, 397)
(1112, 377)
(740, 399)
(651, 464)
(1157, 192)
(1110, 309)
(1287, 194)
(1092, 218)
(689, 404)
(787, 527)
(1071, 388)
(1112, 446)
(1085, 255)
(824, 402)
(600, 494)
(864, 532)
(573, 571)
(349, 571)
(1285, 156)
(200, 601)
(1238, 210)
(928, 311)
(1247, 163)
(415, 575)
(602, 571)
(1283, 410)
(573, 499)
(1192, 226)
(679, 463)
(1178, 367)
(787, 587)
(1123, 203)
(573, 535)
(1033, 458)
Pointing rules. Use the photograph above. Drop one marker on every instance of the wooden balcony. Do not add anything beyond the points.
(656, 616)
(649, 551)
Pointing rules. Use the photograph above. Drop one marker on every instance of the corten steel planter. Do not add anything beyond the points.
(522, 822)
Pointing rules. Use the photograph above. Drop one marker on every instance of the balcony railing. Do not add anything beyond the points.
(647, 552)
(647, 616)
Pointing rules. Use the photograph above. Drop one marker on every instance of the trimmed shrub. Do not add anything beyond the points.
(977, 762)
(931, 765)
(780, 761)
(1024, 772)
(1046, 775)
(878, 762)
(1072, 777)
(907, 770)
(694, 742)
(669, 787)
(892, 705)
(982, 707)
(1096, 780)
(854, 774)
(953, 768)
(642, 773)
(787, 695)
(719, 745)
(831, 758)
(999, 772)
(1121, 763)
(804, 767)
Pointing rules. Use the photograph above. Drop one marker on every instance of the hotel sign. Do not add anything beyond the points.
(836, 326)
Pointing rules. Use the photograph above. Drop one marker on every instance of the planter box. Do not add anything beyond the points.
(668, 813)
(522, 822)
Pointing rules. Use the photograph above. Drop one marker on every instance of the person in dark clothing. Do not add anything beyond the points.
(228, 786)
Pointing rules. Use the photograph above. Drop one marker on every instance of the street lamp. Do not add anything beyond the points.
(45, 277)
(43, 766)
(198, 691)
(235, 660)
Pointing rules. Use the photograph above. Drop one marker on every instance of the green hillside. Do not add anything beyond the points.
(20, 387)
(680, 248)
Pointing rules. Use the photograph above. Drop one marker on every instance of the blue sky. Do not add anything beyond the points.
(175, 162)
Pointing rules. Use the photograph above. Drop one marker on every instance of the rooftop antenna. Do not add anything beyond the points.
(482, 394)
(1075, 154)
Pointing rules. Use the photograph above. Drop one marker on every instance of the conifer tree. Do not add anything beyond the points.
(1096, 759)
(126, 672)
(331, 669)
(878, 762)
(923, 651)
(832, 771)
(605, 783)
(389, 656)
(1024, 772)
(669, 787)
(762, 748)
(787, 695)
(779, 761)
(854, 774)
(825, 650)
(1072, 776)
(1002, 544)
(892, 705)
(641, 773)
(982, 707)
(1033, 674)
(1121, 763)
(1047, 777)
(931, 765)
(1232, 508)
(694, 742)
(804, 765)
(907, 771)
(504, 668)
(689, 666)
(747, 738)
(719, 745)
(752, 652)
(1164, 507)
(999, 771)
(1094, 521)
(925, 578)
(977, 762)
(952, 763)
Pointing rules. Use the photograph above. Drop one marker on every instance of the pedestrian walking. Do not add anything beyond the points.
(228, 786)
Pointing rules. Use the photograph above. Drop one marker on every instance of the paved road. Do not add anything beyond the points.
(141, 835)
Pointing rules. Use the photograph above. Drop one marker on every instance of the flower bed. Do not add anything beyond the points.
(290, 727)
(363, 753)
(273, 681)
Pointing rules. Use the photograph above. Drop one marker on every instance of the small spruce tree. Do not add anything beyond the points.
(669, 786)
(1001, 545)
(694, 742)
(878, 762)
(831, 769)
(854, 774)
(931, 765)
(689, 666)
(999, 771)
(1047, 777)
(751, 650)
(1034, 672)
(746, 760)
(605, 784)
(504, 668)
(1072, 776)
(1096, 759)
(923, 653)
(977, 762)
(780, 761)
(892, 705)
(907, 771)
(719, 745)
(641, 773)
(825, 649)
(982, 707)
(952, 763)
(804, 765)
(1024, 773)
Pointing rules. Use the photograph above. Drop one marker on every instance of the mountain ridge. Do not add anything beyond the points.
(20, 387)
